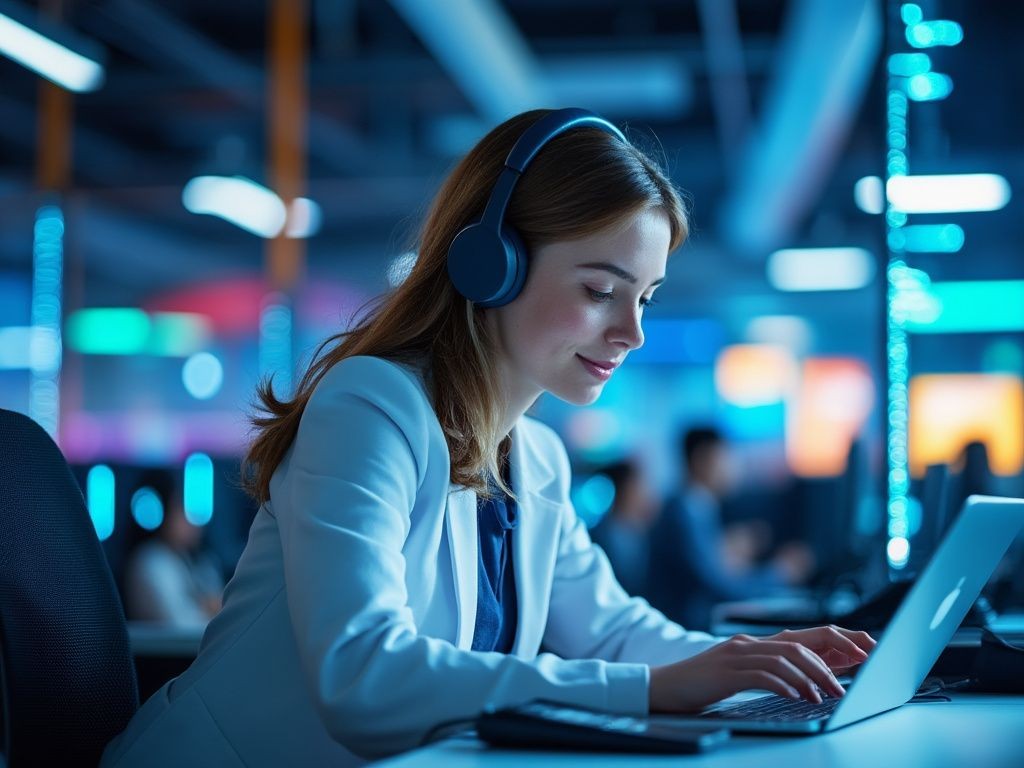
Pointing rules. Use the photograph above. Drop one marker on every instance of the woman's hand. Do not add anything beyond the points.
(793, 663)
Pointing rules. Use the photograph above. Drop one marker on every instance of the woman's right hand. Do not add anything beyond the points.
(786, 666)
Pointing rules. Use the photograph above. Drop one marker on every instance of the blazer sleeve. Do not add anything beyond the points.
(355, 471)
(591, 615)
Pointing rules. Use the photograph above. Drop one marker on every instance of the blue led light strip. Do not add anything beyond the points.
(45, 348)
(275, 345)
(897, 350)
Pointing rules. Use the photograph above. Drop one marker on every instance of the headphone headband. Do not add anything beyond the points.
(487, 261)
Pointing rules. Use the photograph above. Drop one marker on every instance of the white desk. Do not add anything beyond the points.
(972, 731)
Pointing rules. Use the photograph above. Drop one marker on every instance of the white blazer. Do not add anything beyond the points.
(346, 630)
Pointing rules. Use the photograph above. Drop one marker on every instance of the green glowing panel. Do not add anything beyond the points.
(977, 306)
(127, 331)
(108, 331)
(178, 334)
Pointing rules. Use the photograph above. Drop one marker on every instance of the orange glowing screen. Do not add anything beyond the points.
(831, 405)
(947, 411)
(749, 375)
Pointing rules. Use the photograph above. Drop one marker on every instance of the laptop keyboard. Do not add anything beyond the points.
(775, 708)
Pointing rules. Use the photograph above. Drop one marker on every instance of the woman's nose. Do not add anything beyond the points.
(628, 333)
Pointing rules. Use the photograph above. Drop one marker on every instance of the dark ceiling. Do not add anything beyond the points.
(185, 94)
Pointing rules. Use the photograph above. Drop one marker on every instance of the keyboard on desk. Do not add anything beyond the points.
(774, 708)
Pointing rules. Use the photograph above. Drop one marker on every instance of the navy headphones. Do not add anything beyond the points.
(487, 261)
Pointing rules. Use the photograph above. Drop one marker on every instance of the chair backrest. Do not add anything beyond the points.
(68, 680)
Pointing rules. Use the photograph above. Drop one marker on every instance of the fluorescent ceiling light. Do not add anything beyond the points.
(251, 206)
(950, 193)
(48, 58)
(820, 269)
(238, 200)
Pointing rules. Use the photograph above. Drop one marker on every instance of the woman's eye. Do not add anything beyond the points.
(647, 302)
(600, 295)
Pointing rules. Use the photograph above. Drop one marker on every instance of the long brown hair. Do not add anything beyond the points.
(582, 182)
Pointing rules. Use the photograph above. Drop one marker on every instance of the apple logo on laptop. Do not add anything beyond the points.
(946, 604)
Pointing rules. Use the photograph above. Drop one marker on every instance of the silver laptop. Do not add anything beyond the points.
(913, 640)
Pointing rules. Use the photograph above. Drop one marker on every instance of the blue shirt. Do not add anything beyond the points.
(495, 628)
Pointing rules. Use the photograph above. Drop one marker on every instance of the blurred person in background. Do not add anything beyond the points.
(696, 561)
(624, 531)
(170, 578)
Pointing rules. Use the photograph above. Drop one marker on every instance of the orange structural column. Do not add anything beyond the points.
(287, 100)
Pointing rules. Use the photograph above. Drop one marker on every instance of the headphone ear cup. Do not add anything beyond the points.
(481, 265)
(519, 263)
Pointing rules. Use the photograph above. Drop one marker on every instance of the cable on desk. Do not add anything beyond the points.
(932, 689)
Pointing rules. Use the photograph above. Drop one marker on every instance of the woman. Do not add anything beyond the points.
(415, 546)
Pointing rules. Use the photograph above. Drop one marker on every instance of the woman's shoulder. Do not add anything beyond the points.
(376, 379)
(362, 382)
(360, 371)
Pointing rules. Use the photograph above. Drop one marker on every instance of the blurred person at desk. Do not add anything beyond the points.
(624, 531)
(416, 546)
(696, 561)
(170, 578)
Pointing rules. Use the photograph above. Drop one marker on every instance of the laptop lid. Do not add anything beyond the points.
(933, 609)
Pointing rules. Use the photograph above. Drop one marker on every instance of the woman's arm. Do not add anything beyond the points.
(590, 615)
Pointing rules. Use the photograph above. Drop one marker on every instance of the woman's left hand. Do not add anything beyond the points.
(839, 648)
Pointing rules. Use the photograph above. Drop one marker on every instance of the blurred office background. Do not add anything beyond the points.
(200, 192)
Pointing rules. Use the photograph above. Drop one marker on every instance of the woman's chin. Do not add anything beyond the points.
(578, 395)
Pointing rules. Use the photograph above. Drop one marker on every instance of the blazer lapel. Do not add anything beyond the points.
(534, 543)
(460, 520)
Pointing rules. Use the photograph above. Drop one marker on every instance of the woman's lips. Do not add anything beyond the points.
(602, 371)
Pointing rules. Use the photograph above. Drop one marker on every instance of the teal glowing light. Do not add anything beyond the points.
(147, 508)
(929, 86)
(198, 489)
(927, 238)
(45, 346)
(909, 64)
(927, 34)
(108, 331)
(99, 496)
(594, 498)
(975, 306)
(130, 331)
(911, 14)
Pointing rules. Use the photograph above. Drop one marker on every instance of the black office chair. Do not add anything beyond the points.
(66, 676)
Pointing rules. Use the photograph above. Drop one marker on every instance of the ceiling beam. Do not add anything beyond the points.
(826, 58)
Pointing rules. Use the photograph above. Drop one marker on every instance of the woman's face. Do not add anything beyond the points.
(579, 313)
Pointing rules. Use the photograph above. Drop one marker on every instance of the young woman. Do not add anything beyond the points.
(416, 557)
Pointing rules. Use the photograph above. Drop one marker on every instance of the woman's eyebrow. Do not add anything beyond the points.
(618, 271)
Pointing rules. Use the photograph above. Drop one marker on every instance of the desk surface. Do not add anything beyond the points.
(972, 730)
